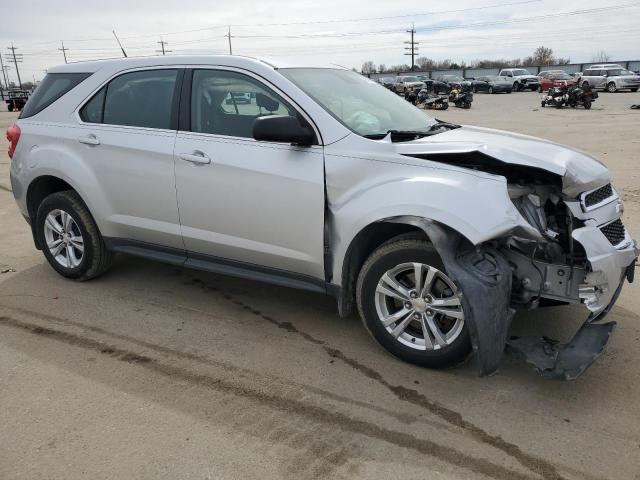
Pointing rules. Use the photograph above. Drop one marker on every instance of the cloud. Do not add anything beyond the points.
(199, 26)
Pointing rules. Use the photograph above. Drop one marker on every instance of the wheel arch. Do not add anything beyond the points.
(41, 187)
(366, 241)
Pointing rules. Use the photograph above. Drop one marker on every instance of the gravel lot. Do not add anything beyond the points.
(156, 372)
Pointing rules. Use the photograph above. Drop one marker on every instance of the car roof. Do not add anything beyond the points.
(606, 65)
(170, 60)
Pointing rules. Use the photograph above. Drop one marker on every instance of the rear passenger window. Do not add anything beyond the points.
(136, 99)
(140, 99)
(52, 87)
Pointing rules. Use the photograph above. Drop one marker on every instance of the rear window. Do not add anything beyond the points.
(137, 99)
(52, 87)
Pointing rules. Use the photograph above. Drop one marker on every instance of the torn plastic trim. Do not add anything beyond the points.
(484, 277)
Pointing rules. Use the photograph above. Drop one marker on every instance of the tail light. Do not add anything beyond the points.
(13, 135)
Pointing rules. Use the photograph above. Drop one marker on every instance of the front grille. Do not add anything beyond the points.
(597, 196)
(614, 232)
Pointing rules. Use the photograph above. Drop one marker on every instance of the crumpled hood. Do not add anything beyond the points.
(579, 171)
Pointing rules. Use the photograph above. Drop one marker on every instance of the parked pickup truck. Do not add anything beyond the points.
(326, 181)
(16, 99)
(522, 79)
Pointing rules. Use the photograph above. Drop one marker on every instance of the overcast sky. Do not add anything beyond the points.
(327, 31)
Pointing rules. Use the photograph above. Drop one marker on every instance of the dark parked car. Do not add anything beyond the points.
(492, 84)
(444, 83)
(387, 82)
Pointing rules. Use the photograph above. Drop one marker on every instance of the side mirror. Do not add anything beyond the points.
(282, 128)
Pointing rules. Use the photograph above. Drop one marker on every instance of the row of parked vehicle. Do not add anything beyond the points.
(609, 77)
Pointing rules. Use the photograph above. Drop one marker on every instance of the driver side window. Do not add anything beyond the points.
(228, 103)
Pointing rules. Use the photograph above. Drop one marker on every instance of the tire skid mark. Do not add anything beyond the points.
(535, 464)
(333, 418)
(401, 417)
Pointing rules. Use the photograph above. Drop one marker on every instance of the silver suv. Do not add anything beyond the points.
(611, 77)
(321, 179)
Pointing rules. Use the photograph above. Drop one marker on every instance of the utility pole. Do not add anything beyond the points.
(412, 46)
(228, 35)
(4, 72)
(64, 51)
(162, 49)
(16, 59)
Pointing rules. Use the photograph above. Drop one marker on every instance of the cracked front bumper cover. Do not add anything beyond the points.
(568, 361)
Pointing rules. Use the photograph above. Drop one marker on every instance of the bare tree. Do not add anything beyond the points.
(382, 68)
(543, 56)
(368, 67)
(601, 57)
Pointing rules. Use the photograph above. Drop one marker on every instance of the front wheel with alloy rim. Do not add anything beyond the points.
(410, 305)
(69, 237)
(611, 87)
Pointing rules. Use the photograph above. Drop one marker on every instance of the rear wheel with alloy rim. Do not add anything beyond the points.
(611, 87)
(410, 305)
(69, 237)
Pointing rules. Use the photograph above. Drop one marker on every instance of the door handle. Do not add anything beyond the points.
(195, 157)
(90, 139)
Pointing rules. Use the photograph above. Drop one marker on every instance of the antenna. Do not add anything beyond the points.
(121, 47)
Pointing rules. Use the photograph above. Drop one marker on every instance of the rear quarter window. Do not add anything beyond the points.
(52, 87)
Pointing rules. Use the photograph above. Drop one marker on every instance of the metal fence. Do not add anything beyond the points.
(633, 65)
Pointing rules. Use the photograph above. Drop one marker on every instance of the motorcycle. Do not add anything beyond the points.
(432, 101)
(460, 98)
(584, 96)
(556, 97)
(411, 96)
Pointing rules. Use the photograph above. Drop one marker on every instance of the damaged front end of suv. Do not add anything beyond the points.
(577, 252)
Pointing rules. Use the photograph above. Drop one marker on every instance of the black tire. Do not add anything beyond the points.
(389, 255)
(475, 89)
(611, 87)
(96, 259)
(634, 90)
(517, 87)
(10, 107)
(587, 104)
(491, 90)
(508, 91)
(543, 104)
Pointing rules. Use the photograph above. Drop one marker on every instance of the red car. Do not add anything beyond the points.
(555, 78)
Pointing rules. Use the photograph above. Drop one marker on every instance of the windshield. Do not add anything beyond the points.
(363, 106)
(561, 76)
(410, 79)
(453, 78)
(521, 71)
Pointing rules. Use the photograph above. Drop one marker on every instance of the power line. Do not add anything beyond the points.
(64, 51)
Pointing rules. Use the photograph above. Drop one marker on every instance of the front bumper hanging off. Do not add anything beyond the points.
(568, 361)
